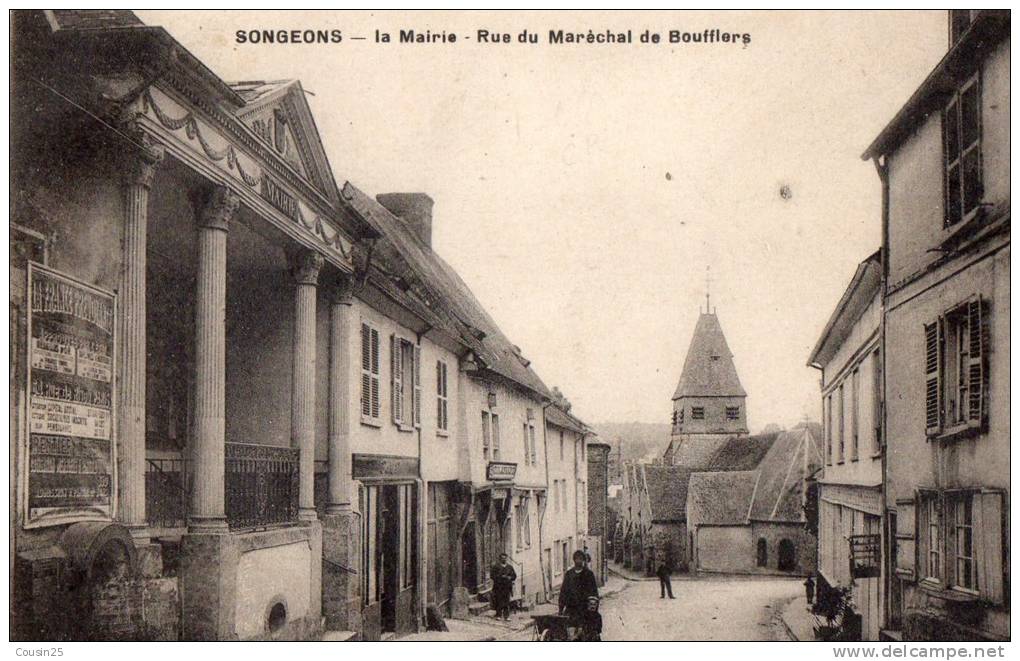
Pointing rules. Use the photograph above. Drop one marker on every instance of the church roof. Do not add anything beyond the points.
(708, 369)
(741, 453)
(667, 491)
(722, 498)
(780, 488)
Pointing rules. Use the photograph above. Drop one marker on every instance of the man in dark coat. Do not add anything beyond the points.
(664, 585)
(578, 585)
(503, 577)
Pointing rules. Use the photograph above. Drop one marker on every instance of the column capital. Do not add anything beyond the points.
(142, 158)
(219, 209)
(342, 291)
(305, 266)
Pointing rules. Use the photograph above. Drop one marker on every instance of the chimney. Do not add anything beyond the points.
(415, 209)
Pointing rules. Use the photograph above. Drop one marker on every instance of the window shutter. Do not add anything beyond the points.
(932, 377)
(531, 433)
(396, 380)
(977, 373)
(906, 539)
(374, 358)
(416, 409)
(366, 370)
(988, 528)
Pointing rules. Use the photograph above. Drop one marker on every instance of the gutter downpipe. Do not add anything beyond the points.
(547, 589)
(882, 168)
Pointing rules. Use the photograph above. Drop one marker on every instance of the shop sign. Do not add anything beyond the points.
(865, 556)
(70, 466)
(501, 471)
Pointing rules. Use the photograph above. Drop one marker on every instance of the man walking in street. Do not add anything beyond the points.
(578, 585)
(664, 585)
(503, 577)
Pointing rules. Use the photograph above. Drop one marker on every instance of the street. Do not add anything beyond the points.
(706, 608)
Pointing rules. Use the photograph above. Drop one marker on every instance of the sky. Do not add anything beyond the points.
(583, 191)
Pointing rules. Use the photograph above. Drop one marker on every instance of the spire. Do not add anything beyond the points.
(708, 369)
(708, 285)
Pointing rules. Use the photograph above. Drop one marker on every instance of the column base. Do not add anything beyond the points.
(307, 514)
(341, 554)
(207, 526)
(338, 509)
(208, 582)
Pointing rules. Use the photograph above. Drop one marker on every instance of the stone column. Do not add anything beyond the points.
(207, 452)
(340, 323)
(305, 267)
(139, 170)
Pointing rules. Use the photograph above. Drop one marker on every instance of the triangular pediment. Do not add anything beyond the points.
(278, 114)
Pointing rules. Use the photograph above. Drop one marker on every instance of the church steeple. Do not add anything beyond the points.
(708, 369)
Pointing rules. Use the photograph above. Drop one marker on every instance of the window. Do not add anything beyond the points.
(697, 413)
(963, 534)
(565, 555)
(486, 431)
(763, 553)
(523, 520)
(442, 398)
(534, 452)
(876, 402)
(961, 541)
(561, 446)
(405, 381)
(840, 416)
(495, 437)
(956, 350)
(827, 421)
(527, 448)
(961, 148)
(733, 413)
(369, 373)
(932, 540)
(855, 409)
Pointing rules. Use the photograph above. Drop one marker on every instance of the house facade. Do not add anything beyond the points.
(246, 401)
(850, 505)
(944, 165)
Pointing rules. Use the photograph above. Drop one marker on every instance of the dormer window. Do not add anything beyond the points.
(961, 140)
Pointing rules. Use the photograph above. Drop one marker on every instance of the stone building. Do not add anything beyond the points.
(601, 523)
(709, 402)
(245, 400)
(752, 520)
(943, 161)
(850, 508)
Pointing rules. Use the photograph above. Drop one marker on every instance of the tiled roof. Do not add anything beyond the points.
(781, 485)
(741, 453)
(708, 368)
(667, 491)
(722, 498)
(442, 292)
(557, 416)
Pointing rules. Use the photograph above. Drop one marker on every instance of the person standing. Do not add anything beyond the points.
(578, 585)
(664, 584)
(503, 577)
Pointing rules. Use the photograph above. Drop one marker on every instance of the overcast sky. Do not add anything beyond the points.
(582, 190)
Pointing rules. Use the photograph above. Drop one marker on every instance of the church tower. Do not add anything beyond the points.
(709, 402)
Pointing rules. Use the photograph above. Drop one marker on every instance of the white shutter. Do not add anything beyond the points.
(366, 370)
(416, 395)
(396, 379)
(988, 544)
(906, 539)
(375, 368)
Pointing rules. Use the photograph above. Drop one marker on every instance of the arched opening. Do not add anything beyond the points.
(763, 553)
(277, 617)
(787, 555)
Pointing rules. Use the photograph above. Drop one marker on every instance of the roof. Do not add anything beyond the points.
(988, 28)
(254, 90)
(861, 291)
(555, 415)
(708, 368)
(779, 494)
(720, 498)
(448, 300)
(92, 19)
(741, 453)
(667, 491)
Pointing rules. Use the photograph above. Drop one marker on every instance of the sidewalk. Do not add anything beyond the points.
(798, 620)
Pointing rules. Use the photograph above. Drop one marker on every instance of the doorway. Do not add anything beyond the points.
(787, 555)
(469, 559)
